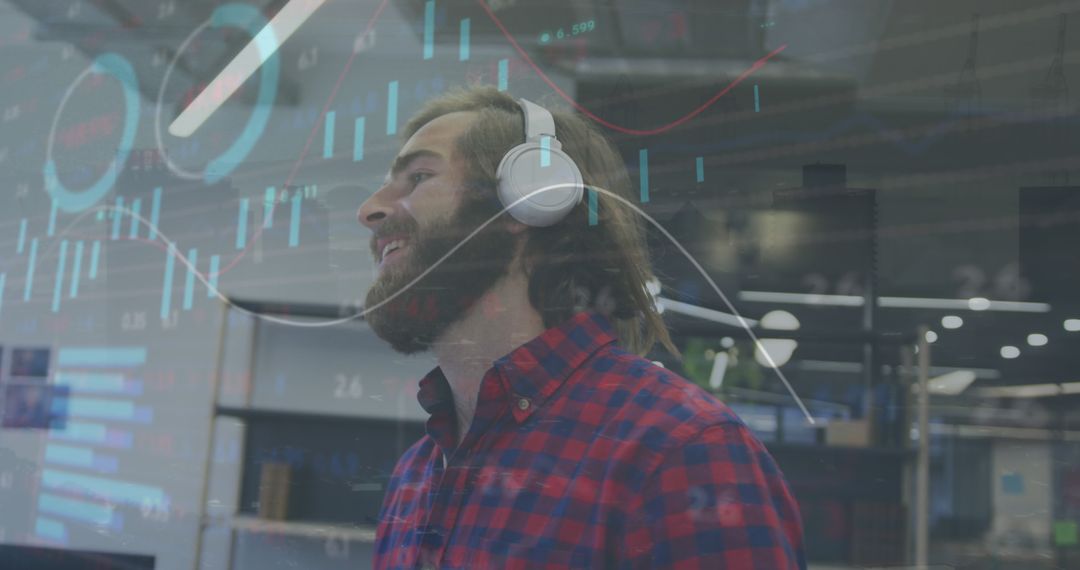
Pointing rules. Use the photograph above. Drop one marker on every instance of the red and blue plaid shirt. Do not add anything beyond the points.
(582, 455)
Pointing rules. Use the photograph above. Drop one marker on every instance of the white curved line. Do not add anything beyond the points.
(332, 322)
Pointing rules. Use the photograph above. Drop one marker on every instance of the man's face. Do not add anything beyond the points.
(422, 212)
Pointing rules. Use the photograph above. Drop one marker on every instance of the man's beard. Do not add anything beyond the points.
(420, 314)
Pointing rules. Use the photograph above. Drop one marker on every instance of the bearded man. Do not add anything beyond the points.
(552, 443)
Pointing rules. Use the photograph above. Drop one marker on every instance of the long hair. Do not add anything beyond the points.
(572, 266)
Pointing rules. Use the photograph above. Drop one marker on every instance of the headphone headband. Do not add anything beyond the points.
(538, 121)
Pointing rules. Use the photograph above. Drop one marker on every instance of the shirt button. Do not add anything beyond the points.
(523, 404)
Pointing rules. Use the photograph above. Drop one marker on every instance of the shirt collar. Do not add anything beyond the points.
(534, 370)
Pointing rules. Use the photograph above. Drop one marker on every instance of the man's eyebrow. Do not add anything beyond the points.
(402, 162)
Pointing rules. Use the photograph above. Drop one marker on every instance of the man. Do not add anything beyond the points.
(551, 444)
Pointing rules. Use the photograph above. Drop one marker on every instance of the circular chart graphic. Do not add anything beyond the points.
(250, 20)
(70, 200)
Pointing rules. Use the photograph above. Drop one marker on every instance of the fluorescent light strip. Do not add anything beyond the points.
(856, 368)
(979, 432)
(888, 302)
(801, 298)
(264, 45)
(1030, 390)
(960, 304)
(703, 313)
(830, 366)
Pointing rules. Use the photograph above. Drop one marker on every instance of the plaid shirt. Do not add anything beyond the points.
(582, 455)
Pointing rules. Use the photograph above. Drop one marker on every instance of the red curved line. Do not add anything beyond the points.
(626, 130)
(525, 56)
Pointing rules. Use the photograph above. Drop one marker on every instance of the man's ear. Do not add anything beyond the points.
(517, 230)
(515, 227)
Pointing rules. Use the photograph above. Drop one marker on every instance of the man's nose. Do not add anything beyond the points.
(375, 209)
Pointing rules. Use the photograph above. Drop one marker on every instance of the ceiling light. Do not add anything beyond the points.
(1072, 325)
(952, 383)
(780, 320)
(931, 336)
(775, 352)
(978, 303)
(952, 322)
(1010, 352)
(1037, 339)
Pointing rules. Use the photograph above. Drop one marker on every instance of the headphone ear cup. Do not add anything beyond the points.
(539, 186)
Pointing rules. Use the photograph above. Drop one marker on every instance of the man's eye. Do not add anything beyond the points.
(418, 177)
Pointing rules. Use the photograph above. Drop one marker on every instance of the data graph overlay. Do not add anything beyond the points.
(866, 167)
(80, 482)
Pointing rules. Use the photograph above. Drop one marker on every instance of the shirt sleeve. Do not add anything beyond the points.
(718, 501)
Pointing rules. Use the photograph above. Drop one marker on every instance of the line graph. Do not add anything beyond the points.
(540, 73)
(622, 129)
(210, 279)
(248, 244)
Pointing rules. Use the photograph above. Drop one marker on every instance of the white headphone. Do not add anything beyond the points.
(539, 163)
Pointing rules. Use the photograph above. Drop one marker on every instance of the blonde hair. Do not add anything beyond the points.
(572, 266)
